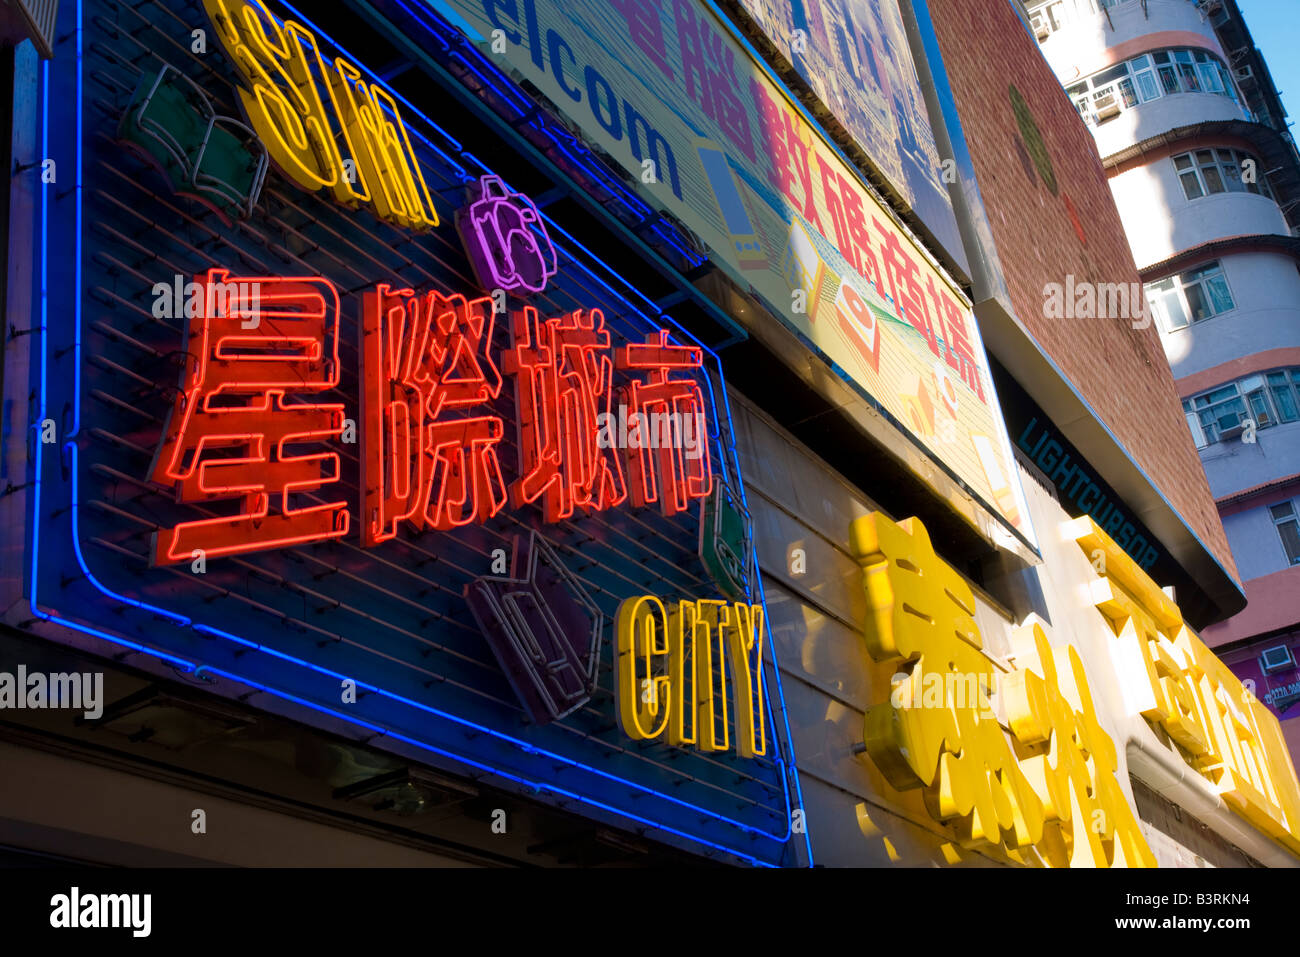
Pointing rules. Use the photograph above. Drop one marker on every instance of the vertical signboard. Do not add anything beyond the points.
(1044, 190)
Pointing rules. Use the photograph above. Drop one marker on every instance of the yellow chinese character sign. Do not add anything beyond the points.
(1036, 778)
(1191, 697)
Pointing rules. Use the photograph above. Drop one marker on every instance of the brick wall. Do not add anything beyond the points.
(1042, 236)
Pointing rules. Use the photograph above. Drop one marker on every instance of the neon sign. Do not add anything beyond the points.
(676, 665)
(543, 628)
(431, 442)
(283, 74)
(505, 238)
(430, 451)
(563, 382)
(245, 359)
(663, 471)
(367, 613)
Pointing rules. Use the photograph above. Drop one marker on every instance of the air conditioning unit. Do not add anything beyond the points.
(1244, 73)
(1234, 432)
(1275, 659)
(1105, 106)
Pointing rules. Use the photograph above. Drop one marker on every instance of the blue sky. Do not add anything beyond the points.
(1275, 25)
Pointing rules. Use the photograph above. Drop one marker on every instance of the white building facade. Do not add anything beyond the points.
(1206, 178)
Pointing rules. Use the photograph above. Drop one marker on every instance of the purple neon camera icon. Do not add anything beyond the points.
(505, 238)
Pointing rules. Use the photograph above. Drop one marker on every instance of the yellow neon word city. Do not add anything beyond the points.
(675, 667)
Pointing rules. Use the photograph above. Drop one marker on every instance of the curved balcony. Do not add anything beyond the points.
(1275, 151)
(1161, 221)
(1264, 287)
(1091, 38)
(1162, 115)
(1234, 466)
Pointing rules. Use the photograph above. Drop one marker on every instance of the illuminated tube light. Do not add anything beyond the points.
(506, 239)
(189, 666)
(265, 339)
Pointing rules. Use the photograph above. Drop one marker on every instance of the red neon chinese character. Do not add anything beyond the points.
(564, 377)
(429, 458)
(672, 464)
(254, 342)
(646, 31)
(709, 68)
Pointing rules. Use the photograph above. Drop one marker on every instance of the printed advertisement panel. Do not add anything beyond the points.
(854, 56)
(666, 89)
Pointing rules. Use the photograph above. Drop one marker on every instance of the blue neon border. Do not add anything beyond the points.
(786, 770)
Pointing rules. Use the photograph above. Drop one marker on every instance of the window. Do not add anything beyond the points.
(1288, 529)
(1194, 423)
(1284, 389)
(1219, 411)
(1190, 296)
(1211, 175)
(1208, 72)
(1109, 76)
(1051, 16)
(1047, 20)
(1267, 399)
(1187, 174)
(1261, 410)
(1079, 94)
(1165, 302)
(1220, 170)
(1143, 78)
(1039, 22)
(1187, 71)
(1168, 75)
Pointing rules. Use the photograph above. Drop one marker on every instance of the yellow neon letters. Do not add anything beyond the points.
(676, 671)
(283, 74)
